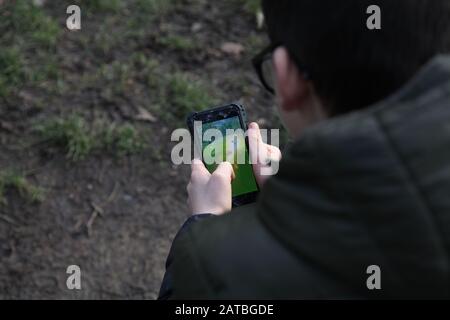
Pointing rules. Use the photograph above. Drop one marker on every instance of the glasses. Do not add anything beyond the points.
(263, 65)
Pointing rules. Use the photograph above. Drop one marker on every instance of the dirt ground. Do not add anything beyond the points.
(133, 72)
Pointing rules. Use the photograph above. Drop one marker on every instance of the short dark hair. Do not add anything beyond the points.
(351, 66)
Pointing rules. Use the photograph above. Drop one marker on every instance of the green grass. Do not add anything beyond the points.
(155, 6)
(11, 70)
(79, 140)
(144, 13)
(95, 6)
(178, 43)
(28, 38)
(186, 95)
(16, 71)
(72, 134)
(146, 68)
(28, 21)
(10, 179)
(127, 140)
(172, 96)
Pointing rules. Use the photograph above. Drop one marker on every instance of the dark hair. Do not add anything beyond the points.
(351, 66)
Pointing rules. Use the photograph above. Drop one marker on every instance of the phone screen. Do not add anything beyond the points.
(231, 147)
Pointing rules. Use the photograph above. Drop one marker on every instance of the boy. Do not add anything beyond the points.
(365, 184)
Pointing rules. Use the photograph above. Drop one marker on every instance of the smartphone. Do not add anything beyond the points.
(231, 145)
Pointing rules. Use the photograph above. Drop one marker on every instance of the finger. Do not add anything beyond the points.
(253, 125)
(274, 153)
(255, 142)
(198, 165)
(198, 170)
(225, 170)
(255, 131)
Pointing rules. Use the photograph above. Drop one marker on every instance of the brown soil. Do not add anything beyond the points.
(114, 217)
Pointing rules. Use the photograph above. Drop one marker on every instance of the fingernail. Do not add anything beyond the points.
(254, 125)
(233, 174)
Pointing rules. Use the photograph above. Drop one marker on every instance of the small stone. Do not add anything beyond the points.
(196, 27)
(232, 48)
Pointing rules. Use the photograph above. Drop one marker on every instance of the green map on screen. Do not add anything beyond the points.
(235, 149)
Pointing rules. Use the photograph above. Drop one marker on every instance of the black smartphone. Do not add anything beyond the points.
(231, 121)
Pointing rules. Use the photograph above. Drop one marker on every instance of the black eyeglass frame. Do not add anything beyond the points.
(265, 55)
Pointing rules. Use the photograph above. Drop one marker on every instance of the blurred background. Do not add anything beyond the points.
(85, 124)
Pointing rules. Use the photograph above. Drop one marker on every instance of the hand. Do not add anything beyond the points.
(210, 193)
(261, 154)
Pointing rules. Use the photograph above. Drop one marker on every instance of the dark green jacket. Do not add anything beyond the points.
(368, 188)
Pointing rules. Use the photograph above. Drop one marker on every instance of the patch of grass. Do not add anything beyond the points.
(72, 134)
(121, 140)
(187, 95)
(178, 43)
(172, 96)
(79, 140)
(155, 6)
(146, 69)
(46, 35)
(11, 70)
(30, 22)
(10, 179)
(16, 71)
(144, 13)
(126, 140)
(28, 37)
(112, 6)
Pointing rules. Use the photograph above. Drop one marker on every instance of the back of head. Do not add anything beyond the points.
(351, 66)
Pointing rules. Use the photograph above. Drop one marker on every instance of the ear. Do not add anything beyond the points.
(292, 88)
